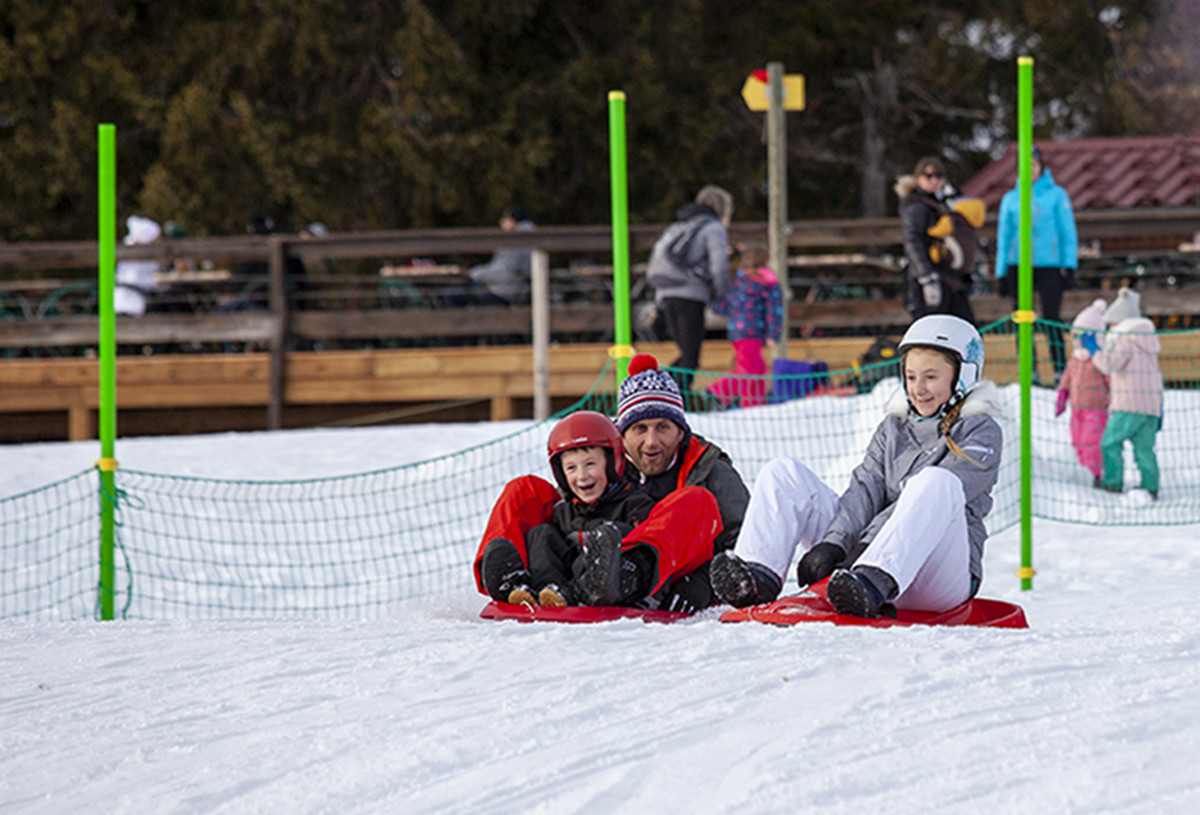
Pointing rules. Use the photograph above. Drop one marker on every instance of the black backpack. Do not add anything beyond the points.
(878, 362)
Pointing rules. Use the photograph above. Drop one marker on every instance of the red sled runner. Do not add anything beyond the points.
(497, 610)
(813, 607)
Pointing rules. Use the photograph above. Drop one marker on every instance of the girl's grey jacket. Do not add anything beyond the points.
(903, 445)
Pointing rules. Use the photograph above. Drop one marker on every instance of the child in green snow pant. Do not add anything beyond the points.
(1139, 429)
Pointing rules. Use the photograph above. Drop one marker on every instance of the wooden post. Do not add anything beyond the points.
(540, 300)
(279, 312)
(502, 410)
(80, 424)
(777, 192)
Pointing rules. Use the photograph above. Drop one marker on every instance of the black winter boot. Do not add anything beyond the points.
(688, 594)
(601, 561)
(502, 569)
(856, 594)
(639, 567)
(742, 583)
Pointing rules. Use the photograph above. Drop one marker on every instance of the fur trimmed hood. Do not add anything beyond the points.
(983, 398)
(1140, 332)
(904, 185)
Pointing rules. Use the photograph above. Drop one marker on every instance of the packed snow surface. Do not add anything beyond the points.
(1092, 709)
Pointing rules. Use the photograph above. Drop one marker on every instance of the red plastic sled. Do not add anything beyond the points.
(813, 607)
(497, 610)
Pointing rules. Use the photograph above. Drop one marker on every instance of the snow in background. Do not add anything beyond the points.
(1093, 709)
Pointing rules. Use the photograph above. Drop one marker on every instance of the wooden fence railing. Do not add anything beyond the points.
(868, 293)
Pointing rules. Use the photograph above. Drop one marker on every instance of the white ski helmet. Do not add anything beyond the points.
(953, 334)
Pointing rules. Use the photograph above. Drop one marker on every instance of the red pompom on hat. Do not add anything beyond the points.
(642, 362)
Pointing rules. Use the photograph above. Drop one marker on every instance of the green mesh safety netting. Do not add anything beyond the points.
(359, 546)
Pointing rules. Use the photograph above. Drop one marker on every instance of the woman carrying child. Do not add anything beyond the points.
(908, 532)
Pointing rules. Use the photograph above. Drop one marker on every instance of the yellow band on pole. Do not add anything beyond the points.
(1025, 572)
(621, 351)
(106, 465)
(1024, 316)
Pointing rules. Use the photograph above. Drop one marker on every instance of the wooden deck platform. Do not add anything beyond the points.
(57, 399)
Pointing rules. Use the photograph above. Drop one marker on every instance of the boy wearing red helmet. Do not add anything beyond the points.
(587, 457)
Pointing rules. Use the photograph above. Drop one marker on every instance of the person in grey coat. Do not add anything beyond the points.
(908, 532)
(688, 269)
(503, 280)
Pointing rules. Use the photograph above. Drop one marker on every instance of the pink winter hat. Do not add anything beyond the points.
(1092, 317)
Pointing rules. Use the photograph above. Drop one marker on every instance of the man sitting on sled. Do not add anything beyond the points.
(663, 563)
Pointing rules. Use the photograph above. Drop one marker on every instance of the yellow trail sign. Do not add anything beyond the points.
(755, 91)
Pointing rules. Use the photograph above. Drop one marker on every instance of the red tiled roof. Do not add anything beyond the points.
(1119, 173)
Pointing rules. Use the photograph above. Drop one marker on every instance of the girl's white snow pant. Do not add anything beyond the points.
(789, 507)
(923, 545)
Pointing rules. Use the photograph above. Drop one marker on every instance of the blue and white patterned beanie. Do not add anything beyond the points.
(648, 393)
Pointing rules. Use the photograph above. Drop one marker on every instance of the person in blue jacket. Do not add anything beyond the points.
(1055, 250)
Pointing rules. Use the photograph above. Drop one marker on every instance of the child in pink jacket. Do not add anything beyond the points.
(1086, 388)
(1130, 358)
(754, 307)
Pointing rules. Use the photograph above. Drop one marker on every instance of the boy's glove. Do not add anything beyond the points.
(1088, 340)
(819, 562)
(931, 290)
(1061, 404)
(1068, 278)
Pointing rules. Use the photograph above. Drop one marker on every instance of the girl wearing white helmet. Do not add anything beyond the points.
(908, 532)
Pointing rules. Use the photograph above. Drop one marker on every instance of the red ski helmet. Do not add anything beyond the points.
(586, 428)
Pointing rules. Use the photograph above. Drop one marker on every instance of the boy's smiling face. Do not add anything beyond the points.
(586, 471)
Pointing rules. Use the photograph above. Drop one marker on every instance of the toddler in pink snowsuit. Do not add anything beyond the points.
(1086, 388)
(754, 307)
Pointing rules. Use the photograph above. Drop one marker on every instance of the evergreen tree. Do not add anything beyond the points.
(407, 113)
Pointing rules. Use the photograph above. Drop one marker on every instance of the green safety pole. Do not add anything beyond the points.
(622, 350)
(1025, 316)
(108, 364)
